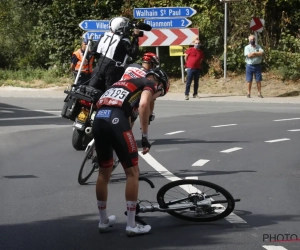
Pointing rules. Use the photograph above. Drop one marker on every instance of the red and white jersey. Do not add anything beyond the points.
(134, 71)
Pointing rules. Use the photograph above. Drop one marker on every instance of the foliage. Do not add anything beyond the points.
(44, 33)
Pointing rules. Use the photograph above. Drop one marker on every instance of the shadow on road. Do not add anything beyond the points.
(18, 116)
(80, 232)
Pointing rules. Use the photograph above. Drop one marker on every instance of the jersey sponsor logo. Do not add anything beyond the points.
(104, 113)
(135, 98)
(127, 85)
(131, 143)
(115, 121)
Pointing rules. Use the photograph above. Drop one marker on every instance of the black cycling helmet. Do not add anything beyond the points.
(162, 77)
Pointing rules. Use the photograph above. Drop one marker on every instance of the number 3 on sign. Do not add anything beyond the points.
(86, 25)
(187, 12)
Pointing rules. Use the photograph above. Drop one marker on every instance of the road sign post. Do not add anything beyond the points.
(167, 37)
(94, 25)
(225, 33)
(163, 12)
(257, 25)
(179, 51)
(168, 27)
(168, 23)
(95, 34)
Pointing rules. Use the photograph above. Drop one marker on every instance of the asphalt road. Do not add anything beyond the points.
(250, 149)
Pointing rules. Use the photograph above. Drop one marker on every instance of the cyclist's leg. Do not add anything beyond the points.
(102, 135)
(126, 148)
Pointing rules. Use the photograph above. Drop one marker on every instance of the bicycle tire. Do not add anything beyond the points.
(83, 179)
(162, 199)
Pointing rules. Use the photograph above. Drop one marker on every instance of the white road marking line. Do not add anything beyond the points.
(192, 178)
(277, 140)
(274, 247)
(294, 130)
(200, 163)
(290, 119)
(15, 109)
(166, 149)
(232, 218)
(225, 125)
(6, 111)
(28, 118)
(175, 132)
(36, 110)
(230, 150)
(13, 129)
(47, 111)
(158, 167)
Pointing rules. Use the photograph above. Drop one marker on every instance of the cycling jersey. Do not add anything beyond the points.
(134, 71)
(126, 94)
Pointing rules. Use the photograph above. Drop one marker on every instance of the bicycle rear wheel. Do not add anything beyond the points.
(88, 165)
(205, 201)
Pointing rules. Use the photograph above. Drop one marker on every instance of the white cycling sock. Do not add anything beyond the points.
(102, 211)
(131, 209)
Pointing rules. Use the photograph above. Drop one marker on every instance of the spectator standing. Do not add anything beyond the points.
(193, 59)
(253, 53)
(87, 66)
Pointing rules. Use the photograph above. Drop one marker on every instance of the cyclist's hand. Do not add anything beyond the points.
(145, 143)
(151, 118)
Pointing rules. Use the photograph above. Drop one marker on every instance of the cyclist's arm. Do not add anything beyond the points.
(144, 110)
(152, 103)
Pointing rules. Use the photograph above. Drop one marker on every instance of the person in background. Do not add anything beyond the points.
(87, 66)
(193, 59)
(113, 49)
(253, 53)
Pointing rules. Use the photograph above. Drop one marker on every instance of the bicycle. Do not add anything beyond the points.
(195, 204)
(87, 168)
(194, 201)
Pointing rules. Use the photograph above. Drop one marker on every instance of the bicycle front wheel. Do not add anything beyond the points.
(204, 201)
(88, 165)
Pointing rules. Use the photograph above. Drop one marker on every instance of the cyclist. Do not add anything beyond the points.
(149, 61)
(112, 131)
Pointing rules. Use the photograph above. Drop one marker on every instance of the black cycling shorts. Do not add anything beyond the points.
(111, 131)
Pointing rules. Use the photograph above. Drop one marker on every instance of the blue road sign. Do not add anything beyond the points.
(94, 25)
(168, 23)
(96, 34)
(163, 12)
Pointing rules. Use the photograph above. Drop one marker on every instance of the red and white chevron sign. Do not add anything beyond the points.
(257, 24)
(167, 37)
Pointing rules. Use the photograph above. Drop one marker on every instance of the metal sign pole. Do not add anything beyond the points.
(255, 33)
(82, 62)
(182, 69)
(225, 40)
(157, 51)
